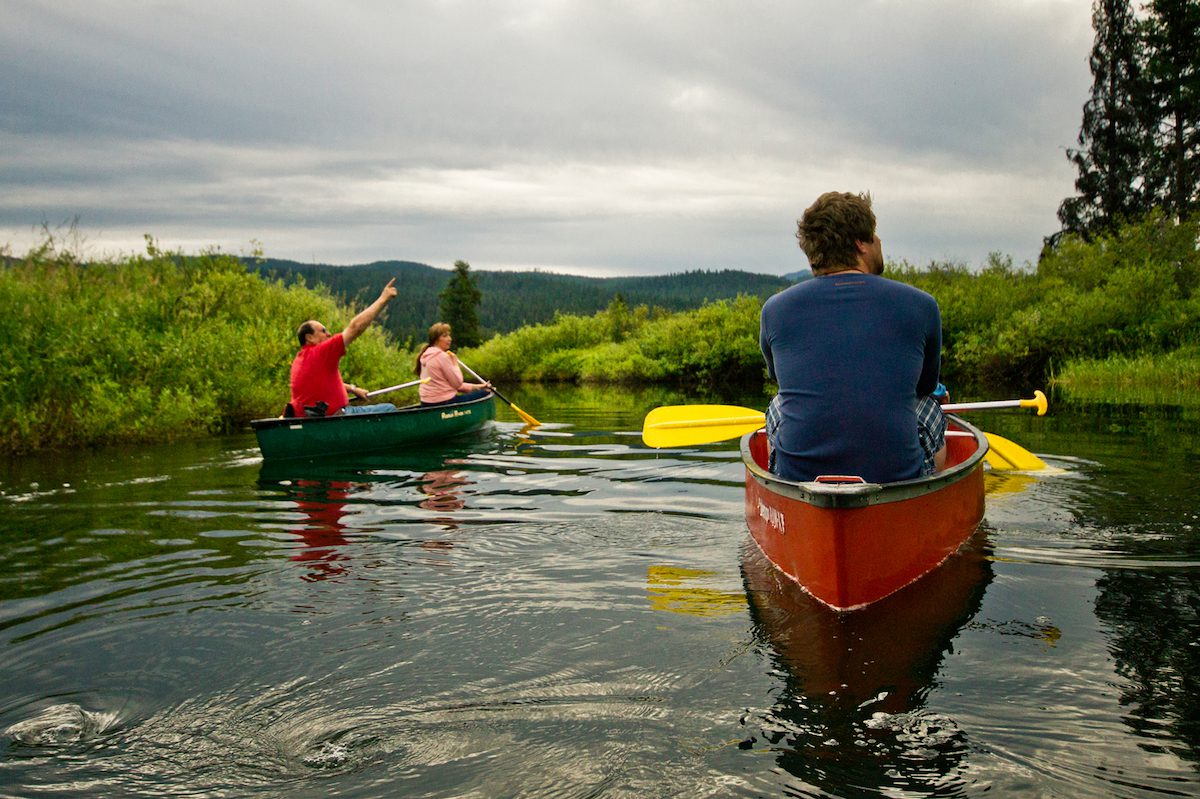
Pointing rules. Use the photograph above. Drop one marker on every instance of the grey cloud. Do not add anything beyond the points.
(501, 124)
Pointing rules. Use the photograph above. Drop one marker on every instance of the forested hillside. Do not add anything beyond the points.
(514, 299)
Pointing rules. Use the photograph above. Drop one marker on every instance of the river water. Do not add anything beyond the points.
(562, 612)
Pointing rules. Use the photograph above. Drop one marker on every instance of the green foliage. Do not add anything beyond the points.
(162, 345)
(1140, 135)
(716, 344)
(1129, 292)
(1113, 140)
(154, 347)
(1171, 33)
(459, 306)
(1158, 378)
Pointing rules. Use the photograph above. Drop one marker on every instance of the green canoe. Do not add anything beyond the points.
(280, 439)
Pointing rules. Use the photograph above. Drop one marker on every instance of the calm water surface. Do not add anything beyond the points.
(563, 612)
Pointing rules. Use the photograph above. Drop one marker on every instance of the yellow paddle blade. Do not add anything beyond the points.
(684, 425)
(1004, 454)
(529, 420)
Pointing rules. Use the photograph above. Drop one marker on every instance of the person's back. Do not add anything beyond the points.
(851, 352)
(855, 355)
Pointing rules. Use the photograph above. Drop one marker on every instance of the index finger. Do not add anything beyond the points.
(390, 282)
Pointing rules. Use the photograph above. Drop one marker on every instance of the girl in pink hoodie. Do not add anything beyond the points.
(440, 365)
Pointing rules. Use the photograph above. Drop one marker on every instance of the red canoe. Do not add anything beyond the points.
(851, 543)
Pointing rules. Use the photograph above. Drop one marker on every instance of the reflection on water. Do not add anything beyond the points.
(323, 505)
(853, 710)
(1153, 618)
(564, 612)
(678, 590)
(445, 489)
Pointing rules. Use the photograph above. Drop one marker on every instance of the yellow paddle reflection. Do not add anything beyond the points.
(678, 590)
(1001, 482)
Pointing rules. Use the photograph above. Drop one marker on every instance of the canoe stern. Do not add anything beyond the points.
(853, 543)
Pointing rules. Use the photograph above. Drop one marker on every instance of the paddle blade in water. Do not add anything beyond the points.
(684, 425)
(526, 418)
(1004, 454)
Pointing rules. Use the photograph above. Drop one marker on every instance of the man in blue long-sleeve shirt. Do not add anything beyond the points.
(856, 357)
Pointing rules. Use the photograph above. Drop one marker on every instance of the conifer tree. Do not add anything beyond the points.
(1172, 37)
(458, 304)
(1113, 139)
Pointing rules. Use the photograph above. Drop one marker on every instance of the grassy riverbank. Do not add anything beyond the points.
(152, 347)
(1098, 308)
(162, 345)
(1171, 378)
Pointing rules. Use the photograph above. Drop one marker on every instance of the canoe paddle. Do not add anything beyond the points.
(685, 425)
(390, 389)
(526, 417)
(1005, 454)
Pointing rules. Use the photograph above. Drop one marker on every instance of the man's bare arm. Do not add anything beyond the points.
(361, 322)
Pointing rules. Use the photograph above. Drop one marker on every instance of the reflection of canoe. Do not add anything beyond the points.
(338, 435)
(853, 543)
(889, 651)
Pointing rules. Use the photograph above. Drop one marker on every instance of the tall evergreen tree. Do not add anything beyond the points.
(1173, 77)
(459, 306)
(1113, 137)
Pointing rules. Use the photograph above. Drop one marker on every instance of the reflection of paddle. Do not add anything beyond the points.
(390, 389)
(679, 590)
(526, 417)
(685, 425)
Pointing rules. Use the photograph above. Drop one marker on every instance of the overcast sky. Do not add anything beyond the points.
(603, 138)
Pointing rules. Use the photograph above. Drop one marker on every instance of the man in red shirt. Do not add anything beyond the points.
(315, 375)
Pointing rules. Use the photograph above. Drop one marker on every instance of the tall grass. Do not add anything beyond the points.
(1167, 378)
(152, 347)
(160, 345)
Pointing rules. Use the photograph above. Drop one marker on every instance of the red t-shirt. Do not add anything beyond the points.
(315, 376)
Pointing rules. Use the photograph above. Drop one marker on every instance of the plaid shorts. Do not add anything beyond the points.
(931, 430)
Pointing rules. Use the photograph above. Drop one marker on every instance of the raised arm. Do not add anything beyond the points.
(361, 322)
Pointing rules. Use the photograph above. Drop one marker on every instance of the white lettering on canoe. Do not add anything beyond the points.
(772, 516)
(454, 414)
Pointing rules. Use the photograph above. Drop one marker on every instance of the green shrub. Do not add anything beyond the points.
(153, 347)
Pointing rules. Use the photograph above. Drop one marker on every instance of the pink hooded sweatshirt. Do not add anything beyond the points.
(444, 373)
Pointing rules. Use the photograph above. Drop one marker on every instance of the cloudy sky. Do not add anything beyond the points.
(603, 138)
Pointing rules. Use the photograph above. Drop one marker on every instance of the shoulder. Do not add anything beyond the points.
(330, 349)
(436, 358)
(796, 293)
(903, 290)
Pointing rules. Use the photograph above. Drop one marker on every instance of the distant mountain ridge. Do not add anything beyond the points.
(513, 299)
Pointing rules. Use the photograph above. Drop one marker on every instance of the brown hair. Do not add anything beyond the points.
(436, 331)
(832, 227)
(305, 329)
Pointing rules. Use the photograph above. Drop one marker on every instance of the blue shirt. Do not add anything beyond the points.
(851, 353)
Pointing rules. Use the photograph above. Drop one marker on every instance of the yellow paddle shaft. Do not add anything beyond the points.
(1038, 401)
